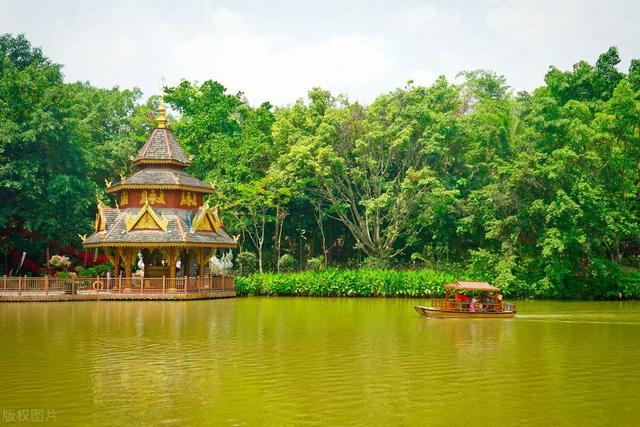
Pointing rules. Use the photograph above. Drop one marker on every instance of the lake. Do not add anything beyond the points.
(318, 361)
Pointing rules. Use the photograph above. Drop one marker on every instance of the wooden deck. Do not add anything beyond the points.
(113, 297)
(49, 289)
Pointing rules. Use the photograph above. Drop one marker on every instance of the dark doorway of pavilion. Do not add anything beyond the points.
(156, 263)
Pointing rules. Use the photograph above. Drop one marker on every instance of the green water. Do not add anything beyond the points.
(285, 361)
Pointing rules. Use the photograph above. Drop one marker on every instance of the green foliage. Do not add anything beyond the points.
(94, 271)
(246, 263)
(233, 148)
(42, 168)
(316, 263)
(374, 263)
(351, 283)
(287, 263)
(630, 284)
(536, 192)
(65, 274)
(58, 143)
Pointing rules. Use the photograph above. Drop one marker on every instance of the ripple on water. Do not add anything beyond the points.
(320, 361)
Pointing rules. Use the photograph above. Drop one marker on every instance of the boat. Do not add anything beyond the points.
(485, 303)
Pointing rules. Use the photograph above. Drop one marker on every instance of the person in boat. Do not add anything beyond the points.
(472, 305)
(462, 299)
(488, 303)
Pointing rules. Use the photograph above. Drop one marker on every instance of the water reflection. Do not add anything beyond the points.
(469, 336)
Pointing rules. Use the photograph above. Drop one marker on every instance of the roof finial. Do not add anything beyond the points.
(162, 118)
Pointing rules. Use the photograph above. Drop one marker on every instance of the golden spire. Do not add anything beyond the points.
(162, 118)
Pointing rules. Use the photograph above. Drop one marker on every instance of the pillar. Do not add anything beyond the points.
(129, 254)
(208, 253)
(116, 262)
(172, 255)
(201, 256)
(127, 264)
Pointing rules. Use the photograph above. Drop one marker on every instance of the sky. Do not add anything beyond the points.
(277, 50)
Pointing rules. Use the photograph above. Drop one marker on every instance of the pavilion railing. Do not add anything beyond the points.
(133, 285)
(468, 306)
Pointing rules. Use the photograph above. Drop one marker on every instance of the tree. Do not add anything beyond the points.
(42, 165)
(370, 165)
(58, 143)
(234, 149)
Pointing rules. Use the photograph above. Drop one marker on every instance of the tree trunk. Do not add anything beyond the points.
(325, 252)
(260, 257)
(277, 236)
(281, 215)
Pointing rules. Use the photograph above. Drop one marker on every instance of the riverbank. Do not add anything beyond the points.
(347, 283)
(401, 283)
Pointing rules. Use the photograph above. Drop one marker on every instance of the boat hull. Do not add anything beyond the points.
(441, 313)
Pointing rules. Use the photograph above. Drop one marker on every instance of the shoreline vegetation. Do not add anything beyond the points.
(366, 282)
(346, 283)
(535, 192)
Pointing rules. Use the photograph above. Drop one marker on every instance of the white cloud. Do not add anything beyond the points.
(6, 15)
(277, 52)
(535, 35)
(280, 69)
(421, 77)
(222, 18)
(429, 21)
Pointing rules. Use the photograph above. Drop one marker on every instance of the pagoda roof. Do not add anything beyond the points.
(161, 178)
(177, 231)
(161, 148)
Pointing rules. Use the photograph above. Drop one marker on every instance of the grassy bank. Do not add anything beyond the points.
(348, 283)
(393, 283)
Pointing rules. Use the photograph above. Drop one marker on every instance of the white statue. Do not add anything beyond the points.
(222, 265)
(140, 263)
(225, 263)
(215, 266)
(229, 260)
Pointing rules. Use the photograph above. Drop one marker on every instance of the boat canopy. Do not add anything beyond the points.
(471, 286)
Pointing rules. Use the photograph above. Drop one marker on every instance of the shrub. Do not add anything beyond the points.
(65, 274)
(246, 263)
(393, 283)
(316, 263)
(287, 263)
(94, 271)
(60, 261)
(355, 283)
(630, 284)
(374, 263)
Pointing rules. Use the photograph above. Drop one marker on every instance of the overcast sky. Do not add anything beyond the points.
(278, 50)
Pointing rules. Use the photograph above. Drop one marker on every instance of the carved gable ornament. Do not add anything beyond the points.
(146, 219)
(207, 220)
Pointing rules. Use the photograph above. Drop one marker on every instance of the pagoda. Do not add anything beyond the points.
(160, 213)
